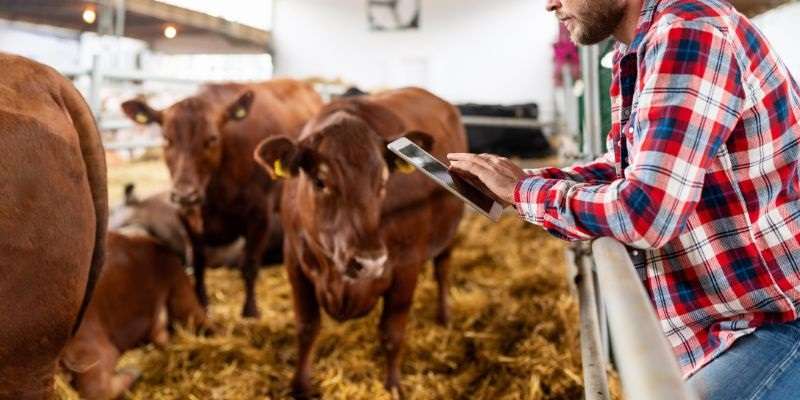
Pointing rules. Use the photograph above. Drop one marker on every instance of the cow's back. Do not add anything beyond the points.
(52, 211)
(419, 110)
(413, 109)
(280, 106)
(425, 230)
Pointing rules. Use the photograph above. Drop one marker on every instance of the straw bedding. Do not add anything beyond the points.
(513, 334)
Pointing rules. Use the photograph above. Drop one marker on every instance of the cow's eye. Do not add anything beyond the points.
(211, 142)
(320, 186)
(319, 183)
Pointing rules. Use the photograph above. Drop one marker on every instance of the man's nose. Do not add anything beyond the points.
(553, 5)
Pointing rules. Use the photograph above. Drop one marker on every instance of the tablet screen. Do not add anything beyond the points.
(421, 159)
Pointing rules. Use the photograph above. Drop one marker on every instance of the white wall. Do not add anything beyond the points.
(465, 50)
(781, 28)
(51, 46)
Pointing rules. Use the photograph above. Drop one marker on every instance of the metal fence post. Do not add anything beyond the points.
(119, 18)
(95, 85)
(595, 379)
(590, 66)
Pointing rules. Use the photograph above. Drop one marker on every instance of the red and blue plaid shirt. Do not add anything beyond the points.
(702, 176)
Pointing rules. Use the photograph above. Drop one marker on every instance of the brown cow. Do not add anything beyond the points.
(53, 213)
(356, 230)
(142, 290)
(209, 144)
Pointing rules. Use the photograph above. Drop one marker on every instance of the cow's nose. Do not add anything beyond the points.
(553, 5)
(372, 262)
(186, 198)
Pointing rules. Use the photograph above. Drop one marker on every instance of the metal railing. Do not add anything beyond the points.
(643, 357)
(595, 380)
(99, 76)
(505, 122)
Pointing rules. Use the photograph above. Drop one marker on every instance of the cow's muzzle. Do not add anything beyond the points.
(367, 265)
(186, 198)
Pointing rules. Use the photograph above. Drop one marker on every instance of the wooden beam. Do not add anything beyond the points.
(755, 7)
(195, 19)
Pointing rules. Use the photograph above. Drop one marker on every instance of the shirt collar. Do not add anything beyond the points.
(646, 17)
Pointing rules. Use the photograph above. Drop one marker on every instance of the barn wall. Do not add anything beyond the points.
(782, 30)
(49, 46)
(465, 50)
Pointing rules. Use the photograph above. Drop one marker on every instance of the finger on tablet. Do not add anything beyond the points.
(460, 156)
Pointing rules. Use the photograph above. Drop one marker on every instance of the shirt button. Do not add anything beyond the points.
(635, 253)
(626, 113)
(630, 130)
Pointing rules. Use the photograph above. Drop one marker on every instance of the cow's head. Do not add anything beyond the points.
(342, 172)
(192, 140)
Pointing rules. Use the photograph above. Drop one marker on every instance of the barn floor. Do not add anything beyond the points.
(513, 334)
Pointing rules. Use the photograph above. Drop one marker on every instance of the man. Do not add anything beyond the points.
(701, 184)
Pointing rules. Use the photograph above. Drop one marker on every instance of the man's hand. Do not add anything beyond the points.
(498, 174)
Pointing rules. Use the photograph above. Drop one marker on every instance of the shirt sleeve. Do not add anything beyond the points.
(691, 98)
(600, 170)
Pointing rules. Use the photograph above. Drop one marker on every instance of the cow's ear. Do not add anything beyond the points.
(140, 112)
(277, 156)
(421, 139)
(239, 109)
(130, 194)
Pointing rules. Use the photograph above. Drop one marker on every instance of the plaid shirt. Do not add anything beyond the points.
(702, 177)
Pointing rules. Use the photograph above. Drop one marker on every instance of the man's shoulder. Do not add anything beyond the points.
(690, 10)
(702, 13)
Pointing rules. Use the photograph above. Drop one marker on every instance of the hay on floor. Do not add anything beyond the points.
(513, 334)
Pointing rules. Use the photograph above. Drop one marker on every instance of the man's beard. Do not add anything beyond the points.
(597, 22)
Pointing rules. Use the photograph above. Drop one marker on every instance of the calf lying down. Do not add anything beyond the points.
(158, 217)
(142, 290)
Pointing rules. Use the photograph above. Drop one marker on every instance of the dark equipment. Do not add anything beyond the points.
(525, 142)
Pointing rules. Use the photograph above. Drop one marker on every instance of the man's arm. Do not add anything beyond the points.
(691, 100)
(601, 169)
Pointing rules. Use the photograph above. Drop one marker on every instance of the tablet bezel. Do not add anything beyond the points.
(398, 144)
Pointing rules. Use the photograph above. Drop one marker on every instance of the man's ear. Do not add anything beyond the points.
(141, 113)
(277, 156)
(239, 109)
(395, 163)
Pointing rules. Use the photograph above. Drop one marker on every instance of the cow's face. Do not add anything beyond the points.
(342, 172)
(192, 140)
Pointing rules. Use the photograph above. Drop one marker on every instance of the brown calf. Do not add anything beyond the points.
(53, 212)
(156, 216)
(357, 229)
(209, 143)
(142, 290)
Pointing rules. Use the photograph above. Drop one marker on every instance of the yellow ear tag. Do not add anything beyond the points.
(141, 118)
(404, 167)
(240, 113)
(278, 168)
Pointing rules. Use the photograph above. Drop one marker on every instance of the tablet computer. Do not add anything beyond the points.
(436, 170)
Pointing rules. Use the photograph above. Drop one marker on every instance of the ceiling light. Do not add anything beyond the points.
(170, 32)
(89, 15)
